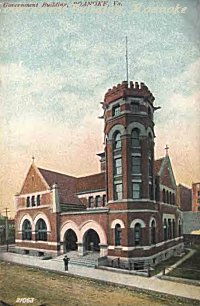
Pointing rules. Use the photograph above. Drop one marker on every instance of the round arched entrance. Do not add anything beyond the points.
(91, 241)
(70, 241)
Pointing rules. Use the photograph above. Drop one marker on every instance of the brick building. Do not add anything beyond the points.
(196, 197)
(184, 198)
(126, 211)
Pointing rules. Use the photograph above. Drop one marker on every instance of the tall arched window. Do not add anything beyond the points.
(153, 232)
(26, 230)
(165, 229)
(137, 234)
(117, 234)
(164, 196)
(117, 141)
(167, 196)
(135, 138)
(41, 230)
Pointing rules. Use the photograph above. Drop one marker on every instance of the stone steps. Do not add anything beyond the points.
(89, 260)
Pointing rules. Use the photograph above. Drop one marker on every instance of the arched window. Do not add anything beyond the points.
(164, 196)
(41, 230)
(167, 196)
(26, 230)
(33, 201)
(165, 229)
(137, 234)
(38, 200)
(28, 202)
(153, 232)
(117, 141)
(117, 234)
(135, 138)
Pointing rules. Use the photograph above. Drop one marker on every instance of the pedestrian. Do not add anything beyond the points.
(66, 261)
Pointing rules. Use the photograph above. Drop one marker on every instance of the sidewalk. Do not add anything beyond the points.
(153, 284)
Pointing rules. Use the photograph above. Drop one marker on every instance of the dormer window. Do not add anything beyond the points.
(116, 110)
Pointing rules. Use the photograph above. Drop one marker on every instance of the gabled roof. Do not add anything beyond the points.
(163, 168)
(91, 182)
(66, 185)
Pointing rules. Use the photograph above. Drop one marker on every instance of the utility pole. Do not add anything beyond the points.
(6, 227)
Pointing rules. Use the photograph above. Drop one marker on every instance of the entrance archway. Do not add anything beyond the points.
(70, 241)
(91, 241)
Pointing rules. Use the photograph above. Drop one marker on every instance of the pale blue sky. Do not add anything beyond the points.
(57, 64)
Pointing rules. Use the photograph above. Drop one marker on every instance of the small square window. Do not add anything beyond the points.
(135, 107)
(116, 110)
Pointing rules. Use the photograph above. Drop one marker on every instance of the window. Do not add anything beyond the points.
(117, 166)
(136, 164)
(153, 232)
(117, 141)
(151, 192)
(116, 110)
(150, 113)
(164, 196)
(117, 235)
(169, 229)
(150, 167)
(98, 201)
(165, 229)
(104, 200)
(118, 191)
(137, 234)
(198, 193)
(167, 196)
(26, 230)
(38, 200)
(91, 202)
(173, 228)
(135, 141)
(41, 230)
(136, 191)
(28, 202)
(33, 201)
(135, 107)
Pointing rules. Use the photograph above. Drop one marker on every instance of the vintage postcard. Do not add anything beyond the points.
(100, 152)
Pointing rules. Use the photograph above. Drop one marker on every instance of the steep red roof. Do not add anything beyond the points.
(157, 165)
(91, 182)
(66, 185)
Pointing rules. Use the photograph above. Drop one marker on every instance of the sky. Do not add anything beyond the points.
(57, 64)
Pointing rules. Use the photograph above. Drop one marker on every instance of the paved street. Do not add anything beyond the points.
(154, 284)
